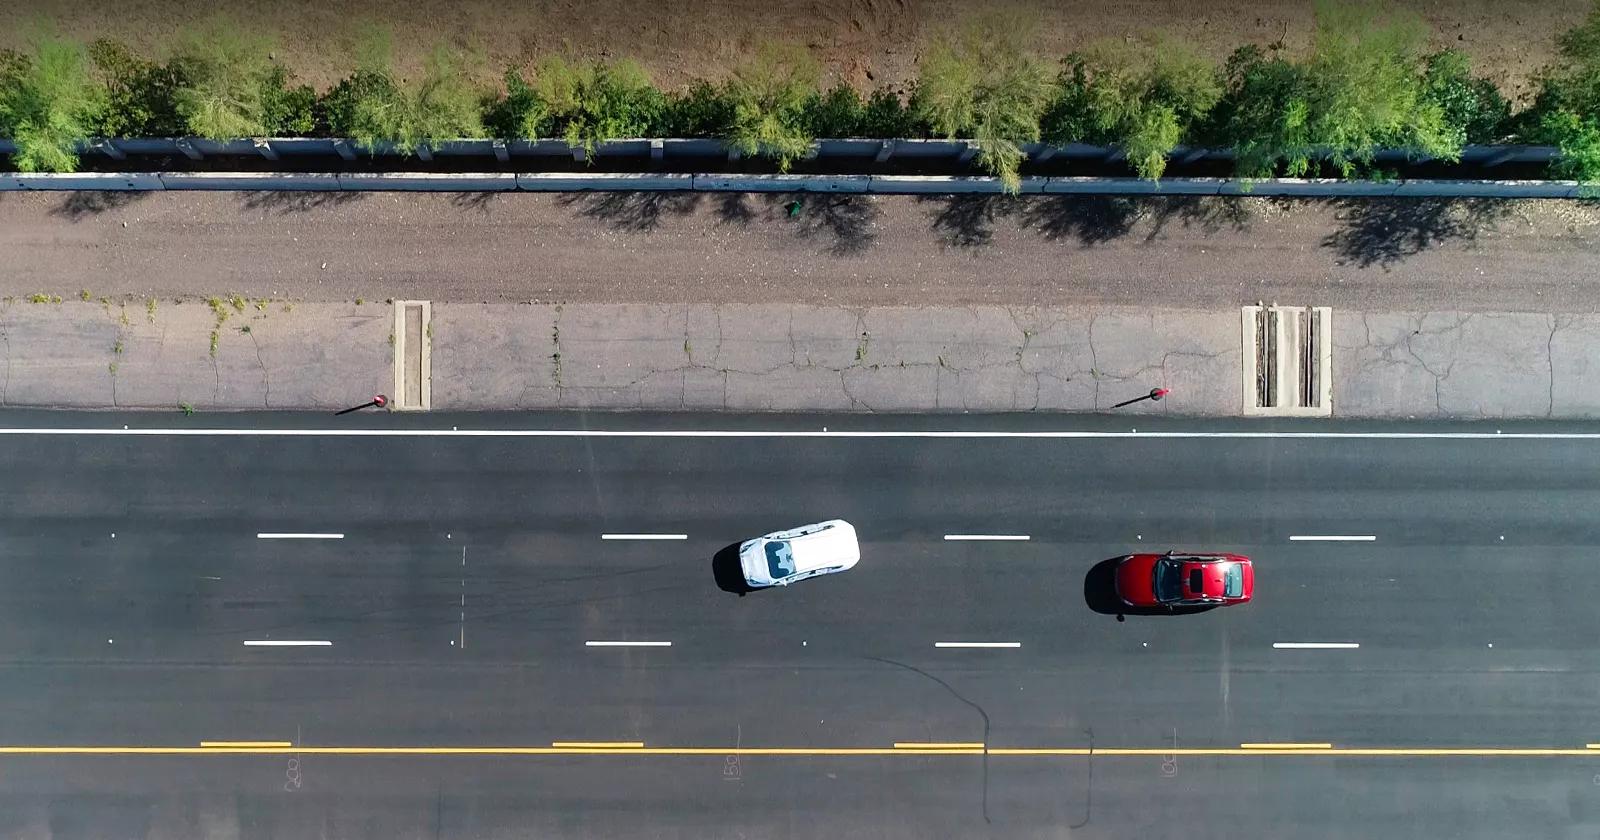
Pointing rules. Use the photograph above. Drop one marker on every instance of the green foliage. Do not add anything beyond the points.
(1566, 111)
(769, 96)
(1579, 141)
(592, 103)
(374, 106)
(1475, 111)
(702, 111)
(1143, 95)
(1360, 89)
(836, 113)
(221, 76)
(49, 102)
(139, 93)
(287, 111)
(521, 114)
(987, 84)
(886, 117)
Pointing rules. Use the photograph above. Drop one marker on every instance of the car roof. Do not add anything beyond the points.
(832, 546)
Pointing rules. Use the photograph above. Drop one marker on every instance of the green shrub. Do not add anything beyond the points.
(1566, 111)
(592, 103)
(701, 111)
(1475, 112)
(372, 105)
(139, 93)
(988, 85)
(1143, 95)
(886, 117)
(769, 95)
(1360, 89)
(50, 102)
(521, 114)
(287, 111)
(836, 113)
(220, 77)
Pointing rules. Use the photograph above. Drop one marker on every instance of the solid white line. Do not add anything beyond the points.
(627, 644)
(977, 644)
(299, 536)
(644, 536)
(286, 643)
(1315, 645)
(1316, 538)
(708, 433)
(986, 536)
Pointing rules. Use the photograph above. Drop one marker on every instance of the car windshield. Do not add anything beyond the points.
(1169, 580)
(780, 560)
(1233, 581)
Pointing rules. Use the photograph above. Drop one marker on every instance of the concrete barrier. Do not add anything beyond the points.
(782, 183)
(428, 182)
(947, 185)
(1488, 189)
(1134, 186)
(280, 182)
(607, 181)
(1311, 187)
(120, 181)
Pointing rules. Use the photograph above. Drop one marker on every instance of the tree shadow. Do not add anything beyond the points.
(479, 201)
(299, 201)
(1209, 213)
(81, 204)
(1089, 219)
(846, 220)
(728, 574)
(734, 209)
(1386, 231)
(967, 221)
(1100, 594)
(637, 211)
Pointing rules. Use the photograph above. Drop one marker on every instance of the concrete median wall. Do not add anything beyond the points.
(711, 182)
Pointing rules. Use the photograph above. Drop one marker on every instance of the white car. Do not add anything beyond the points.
(783, 557)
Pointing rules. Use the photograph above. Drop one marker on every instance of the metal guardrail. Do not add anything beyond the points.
(658, 150)
(873, 184)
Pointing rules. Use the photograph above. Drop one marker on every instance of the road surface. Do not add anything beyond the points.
(468, 636)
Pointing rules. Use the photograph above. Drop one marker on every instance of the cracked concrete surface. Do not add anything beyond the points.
(782, 357)
(751, 357)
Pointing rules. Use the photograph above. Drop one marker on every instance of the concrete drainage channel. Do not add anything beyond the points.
(413, 356)
(1287, 361)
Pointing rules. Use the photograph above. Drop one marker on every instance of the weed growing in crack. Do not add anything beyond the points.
(391, 338)
(186, 408)
(686, 351)
(123, 316)
(84, 293)
(360, 301)
(216, 336)
(430, 331)
(150, 310)
(117, 348)
(238, 302)
(112, 367)
(245, 329)
(941, 363)
(38, 297)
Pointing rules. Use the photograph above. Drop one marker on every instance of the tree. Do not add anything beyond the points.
(221, 74)
(374, 106)
(769, 94)
(1143, 95)
(1361, 88)
(593, 103)
(1566, 111)
(49, 103)
(986, 83)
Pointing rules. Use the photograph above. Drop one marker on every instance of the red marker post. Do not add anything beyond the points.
(1155, 395)
(378, 401)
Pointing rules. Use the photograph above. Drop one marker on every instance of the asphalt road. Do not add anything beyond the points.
(471, 575)
(1183, 252)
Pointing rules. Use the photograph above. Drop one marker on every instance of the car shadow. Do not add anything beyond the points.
(729, 576)
(1100, 594)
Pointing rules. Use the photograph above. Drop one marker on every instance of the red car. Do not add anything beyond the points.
(1184, 580)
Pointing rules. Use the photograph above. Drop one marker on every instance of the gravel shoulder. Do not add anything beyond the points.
(1202, 253)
